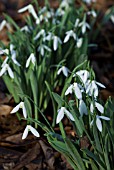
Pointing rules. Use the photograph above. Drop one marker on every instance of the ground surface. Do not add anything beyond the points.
(36, 154)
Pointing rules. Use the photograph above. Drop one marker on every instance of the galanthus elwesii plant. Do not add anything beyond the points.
(50, 41)
(92, 145)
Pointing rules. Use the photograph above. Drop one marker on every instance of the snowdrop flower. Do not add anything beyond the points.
(3, 24)
(31, 59)
(25, 28)
(83, 74)
(92, 88)
(99, 107)
(21, 105)
(99, 123)
(33, 131)
(48, 37)
(42, 49)
(56, 40)
(41, 33)
(82, 108)
(93, 13)
(63, 69)
(7, 68)
(30, 9)
(61, 112)
(74, 87)
(79, 42)
(4, 51)
(69, 34)
(13, 55)
(84, 25)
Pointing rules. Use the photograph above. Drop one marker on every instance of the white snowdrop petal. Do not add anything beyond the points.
(79, 42)
(101, 85)
(28, 62)
(82, 108)
(83, 28)
(69, 115)
(10, 72)
(99, 124)
(24, 9)
(32, 11)
(77, 91)
(59, 71)
(60, 115)
(2, 25)
(25, 133)
(91, 108)
(65, 71)
(15, 109)
(99, 107)
(66, 38)
(69, 90)
(104, 117)
(24, 111)
(55, 43)
(34, 131)
(3, 70)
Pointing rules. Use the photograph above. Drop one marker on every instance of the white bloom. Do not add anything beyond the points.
(4, 51)
(13, 55)
(79, 42)
(83, 74)
(41, 33)
(99, 123)
(3, 24)
(31, 59)
(42, 49)
(82, 108)
(56, 40)
(61, 113)
(99, 107)
(93, 13)
(25, 28)
(77, 91)
(30, 9)
(74, 87)
(69, 90)
(21, 105)
(63, 69)
(92, 89)
(33, 131)
(84, 25)
(48, 37)
(69, 34)
(7, 68)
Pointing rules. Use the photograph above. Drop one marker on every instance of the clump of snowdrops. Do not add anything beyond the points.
(50, 43)
(42, 56)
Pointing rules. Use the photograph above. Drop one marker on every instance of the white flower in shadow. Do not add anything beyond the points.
(21, 105)
(32, 130)
(61, 112)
